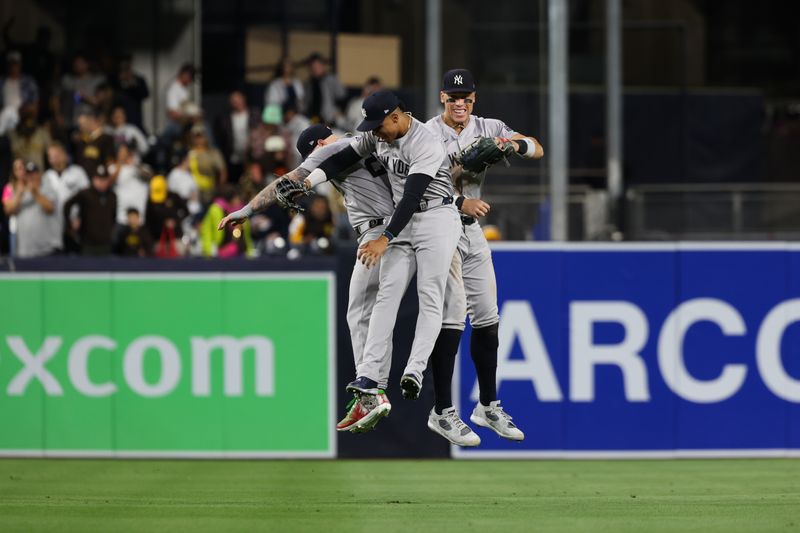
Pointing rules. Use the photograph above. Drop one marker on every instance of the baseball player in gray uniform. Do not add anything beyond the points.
(368, 200)
(420, 238)
(458, 127)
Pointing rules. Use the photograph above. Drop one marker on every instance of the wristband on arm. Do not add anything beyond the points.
(525, 147)
(316, 177)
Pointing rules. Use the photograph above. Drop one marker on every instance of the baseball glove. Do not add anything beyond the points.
(287, 191)
(483, 153)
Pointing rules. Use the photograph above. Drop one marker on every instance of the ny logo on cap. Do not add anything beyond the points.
(363, 112)
(458, 79)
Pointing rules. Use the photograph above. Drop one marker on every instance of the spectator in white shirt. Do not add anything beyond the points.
(16, 89)
(126, 133)
(232, 133)
(66, 179)
(285, 88)
(131, 190)
(178, 94)
(179, 102)
(181, 181)
(33, 204)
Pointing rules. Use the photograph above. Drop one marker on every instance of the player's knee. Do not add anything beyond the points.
(453, 324)
(485, 319)
(487, 335)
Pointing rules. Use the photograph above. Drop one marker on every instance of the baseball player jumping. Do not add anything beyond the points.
(368, 200)
(420, 238)
(462, 131)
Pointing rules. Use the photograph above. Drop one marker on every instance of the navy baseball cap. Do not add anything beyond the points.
(458, 80)
(308, 140)
(377, 107)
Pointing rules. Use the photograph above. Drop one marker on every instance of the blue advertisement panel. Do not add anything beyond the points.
(645, 351)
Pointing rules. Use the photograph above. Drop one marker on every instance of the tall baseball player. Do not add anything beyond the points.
(460, 129)
(421, 236)
(368, 200)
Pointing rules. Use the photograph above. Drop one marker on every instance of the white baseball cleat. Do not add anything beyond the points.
(450, 426)
(494, 418)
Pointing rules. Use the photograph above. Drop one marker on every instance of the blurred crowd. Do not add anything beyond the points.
(85, 177)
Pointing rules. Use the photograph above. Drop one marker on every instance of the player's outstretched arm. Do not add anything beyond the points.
(261, 201)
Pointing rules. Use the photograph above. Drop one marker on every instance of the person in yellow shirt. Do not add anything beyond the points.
(233, 241)
(206, 164)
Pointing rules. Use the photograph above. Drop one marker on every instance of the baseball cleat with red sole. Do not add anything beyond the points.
(364, 412)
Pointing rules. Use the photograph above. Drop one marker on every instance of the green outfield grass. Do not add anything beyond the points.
(381, 496)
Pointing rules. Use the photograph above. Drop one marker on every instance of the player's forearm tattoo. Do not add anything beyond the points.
(266, 197)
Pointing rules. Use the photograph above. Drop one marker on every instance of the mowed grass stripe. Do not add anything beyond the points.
(347, 495)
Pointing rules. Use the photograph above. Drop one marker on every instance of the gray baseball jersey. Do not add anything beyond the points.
(425, 246)
(367, 196)
(479, 284)
(365, 187)
(420, 150)
(469, 185)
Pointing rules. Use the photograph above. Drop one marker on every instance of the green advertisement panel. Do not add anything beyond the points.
(173, 365)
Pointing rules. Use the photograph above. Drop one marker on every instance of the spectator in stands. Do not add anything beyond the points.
(16, 89)
(15, 186)
(271, 121)
(275, 155)
(353, 115)
(29, 140)
(181, 181)
(293, 125)
(252, 181)
(96, 214)
(67, 180)
(131, 90)
(130, 188)
(324, 93)
(91, 145)
(124, 132)
(206, 164)
(285, 88)
(165, 212)
(104, 102)
(231, 242)
(134, 240)
(39, 61)
(78, 88)
(179, 98)
(232, 130)
(318, 220)
(33, 203)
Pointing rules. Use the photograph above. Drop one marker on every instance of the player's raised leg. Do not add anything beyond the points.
(437, 240)
(397, 268)
(364, 284)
